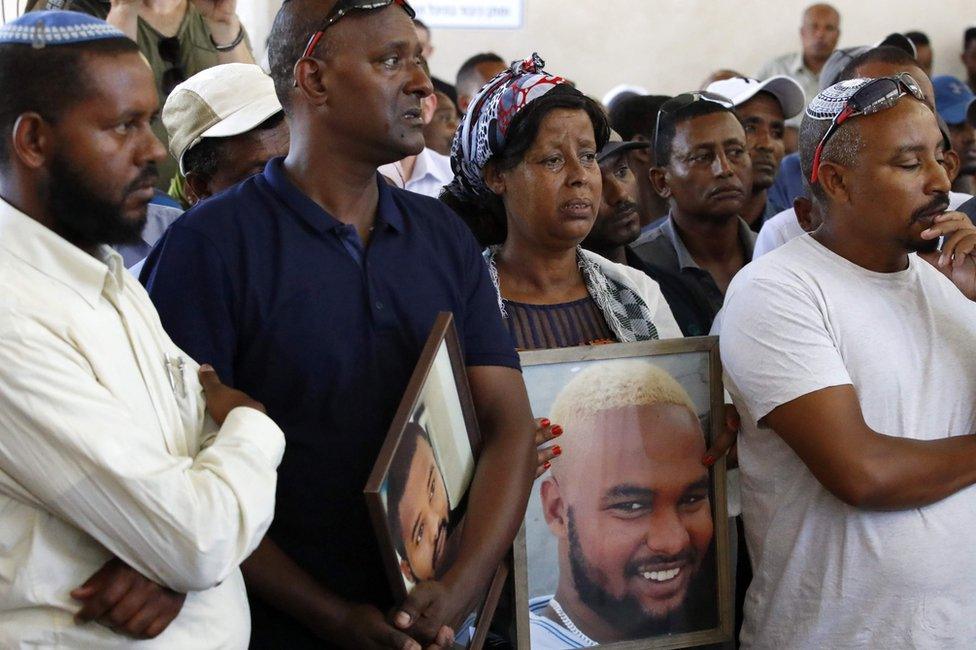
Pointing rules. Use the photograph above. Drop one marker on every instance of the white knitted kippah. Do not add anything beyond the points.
(829, 102)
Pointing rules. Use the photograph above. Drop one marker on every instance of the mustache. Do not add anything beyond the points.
(147, 176)
(687, 556)
(625, 207)
(939, 204)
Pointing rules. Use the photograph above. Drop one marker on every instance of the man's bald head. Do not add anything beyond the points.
(819, 32)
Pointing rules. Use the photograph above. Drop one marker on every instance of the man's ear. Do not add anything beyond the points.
(832, 178)
(659, 181)
(803, 207)
(554, 508)
(951, 165)
(196, 188)
(32, 140)
(308, 75)
(494, 179)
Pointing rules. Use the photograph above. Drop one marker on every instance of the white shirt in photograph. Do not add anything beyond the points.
(826, 574)
(546, 634)
(106, 450)
(783, 226)
(431, 172)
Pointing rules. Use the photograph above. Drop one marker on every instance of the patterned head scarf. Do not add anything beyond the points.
(484, 130)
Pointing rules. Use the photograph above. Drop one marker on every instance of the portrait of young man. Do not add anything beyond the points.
(418, 510)
(628, 512)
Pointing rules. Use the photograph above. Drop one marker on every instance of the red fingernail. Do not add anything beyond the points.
(546, 465)
(557, 431)
(556, 450)
(708, 460)
(544, 422)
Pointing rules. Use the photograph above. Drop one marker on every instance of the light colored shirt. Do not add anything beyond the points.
(106, 450)
(547, 634)
(793, 67)
(431, 172)
(777, 231)
(783, 227)
(826, 574)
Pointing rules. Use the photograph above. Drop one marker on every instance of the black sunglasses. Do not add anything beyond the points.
(872, 97)
(678, 104)
(170, 53)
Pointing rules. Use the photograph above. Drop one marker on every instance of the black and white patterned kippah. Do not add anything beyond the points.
(829, 102)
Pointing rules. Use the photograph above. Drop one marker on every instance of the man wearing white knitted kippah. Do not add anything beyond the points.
(850, 362)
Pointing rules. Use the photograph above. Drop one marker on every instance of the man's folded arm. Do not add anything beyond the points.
(184, 522)
(865, 468)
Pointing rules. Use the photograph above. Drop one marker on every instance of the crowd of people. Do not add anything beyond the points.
(216, 281)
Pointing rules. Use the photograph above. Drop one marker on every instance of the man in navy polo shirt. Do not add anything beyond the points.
(313, 286)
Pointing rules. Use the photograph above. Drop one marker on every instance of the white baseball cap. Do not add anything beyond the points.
(741, 89)
(218, 102)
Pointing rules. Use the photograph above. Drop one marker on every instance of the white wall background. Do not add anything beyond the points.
(667, 46)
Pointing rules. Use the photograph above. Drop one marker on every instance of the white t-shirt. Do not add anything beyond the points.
(828, 575)
(783, 226)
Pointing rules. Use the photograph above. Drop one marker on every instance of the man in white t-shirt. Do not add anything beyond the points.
(851, 364)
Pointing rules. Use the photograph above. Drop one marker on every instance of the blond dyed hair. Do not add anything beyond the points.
(617, 384)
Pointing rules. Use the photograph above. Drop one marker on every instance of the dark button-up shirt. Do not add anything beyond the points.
(663, 249)
(288, 305)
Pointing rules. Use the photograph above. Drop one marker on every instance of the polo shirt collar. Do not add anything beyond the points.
(312, 213)
(53, 256)
(685, 261)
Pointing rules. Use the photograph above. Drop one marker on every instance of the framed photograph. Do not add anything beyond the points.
(416, 491)
(625, 540)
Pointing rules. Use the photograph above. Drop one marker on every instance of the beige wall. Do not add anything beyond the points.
(669, 46)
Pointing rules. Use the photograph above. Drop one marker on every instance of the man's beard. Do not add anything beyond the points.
(624, 613)
(86, 219)
(940, 203)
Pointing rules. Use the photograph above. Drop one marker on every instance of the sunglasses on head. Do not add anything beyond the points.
(678, 104)
(342, 8)
(874, 96)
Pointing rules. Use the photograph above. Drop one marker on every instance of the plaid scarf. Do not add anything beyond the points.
(626, 313)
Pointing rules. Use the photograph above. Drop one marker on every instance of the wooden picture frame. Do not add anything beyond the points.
(713, 605)
(430, 453)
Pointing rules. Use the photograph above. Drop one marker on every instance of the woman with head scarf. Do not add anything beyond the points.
(528, 184)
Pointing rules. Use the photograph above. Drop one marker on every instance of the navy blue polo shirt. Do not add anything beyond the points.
(286, 304)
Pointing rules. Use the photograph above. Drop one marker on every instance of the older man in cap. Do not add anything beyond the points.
(763, 107)
(849, 360)
(118, 493)
(224, 125)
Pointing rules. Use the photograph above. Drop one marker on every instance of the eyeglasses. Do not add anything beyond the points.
(680, 103)
(169, 52)
(872, 97)
(342, 8)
